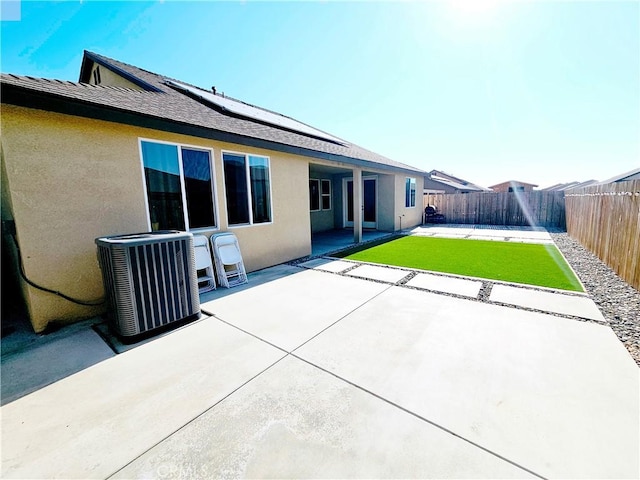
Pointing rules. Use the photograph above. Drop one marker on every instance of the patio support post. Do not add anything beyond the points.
(358, 205)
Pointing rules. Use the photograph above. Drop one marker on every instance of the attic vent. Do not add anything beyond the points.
(96, 76)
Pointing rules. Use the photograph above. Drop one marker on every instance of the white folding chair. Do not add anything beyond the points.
(228, 260)
(204, 264)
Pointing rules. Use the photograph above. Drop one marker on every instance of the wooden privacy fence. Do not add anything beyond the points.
(535, 208)
(606, 220)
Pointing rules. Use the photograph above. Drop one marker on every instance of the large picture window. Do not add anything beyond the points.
(178, 179)
(247, 188)
(410, 192)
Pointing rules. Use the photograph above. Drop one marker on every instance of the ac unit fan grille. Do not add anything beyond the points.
(150, 285)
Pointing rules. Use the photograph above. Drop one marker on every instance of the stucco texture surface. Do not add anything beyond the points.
(73, 180)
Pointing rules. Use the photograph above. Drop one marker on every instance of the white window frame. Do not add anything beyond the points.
(328, 195)
(412, 181)
(319, 182)
(249, 190)
(212, 165)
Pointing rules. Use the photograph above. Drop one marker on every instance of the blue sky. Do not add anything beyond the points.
(539, 91)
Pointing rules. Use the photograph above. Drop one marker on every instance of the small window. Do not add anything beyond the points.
(178, 180)
(247, 188)
(314, 194)
(326, 194)
(410, 192)
(319, 194)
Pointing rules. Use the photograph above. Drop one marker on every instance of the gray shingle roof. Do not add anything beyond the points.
(174, 106)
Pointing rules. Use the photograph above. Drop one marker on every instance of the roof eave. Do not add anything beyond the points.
(24, 97)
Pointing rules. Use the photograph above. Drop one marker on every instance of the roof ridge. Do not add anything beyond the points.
(163, 78)
(115, 65)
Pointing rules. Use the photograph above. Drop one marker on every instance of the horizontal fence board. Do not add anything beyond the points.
(606, 220)
(535, 208)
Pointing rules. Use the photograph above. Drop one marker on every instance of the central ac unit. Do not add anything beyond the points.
(150, 280)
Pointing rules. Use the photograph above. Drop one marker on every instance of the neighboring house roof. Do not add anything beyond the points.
(560, 187)
(160, 106)
(513, 183)
(555, 187)
(623, 177)
(443, 179)
(586, 183)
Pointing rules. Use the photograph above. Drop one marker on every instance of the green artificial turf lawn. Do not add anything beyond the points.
(533, 264)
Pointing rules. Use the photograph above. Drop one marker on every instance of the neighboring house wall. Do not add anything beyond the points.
(513, 186)
(73, 179)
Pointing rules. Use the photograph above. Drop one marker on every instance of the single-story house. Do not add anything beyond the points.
(437, 181)
(125, 150)
(513, 186)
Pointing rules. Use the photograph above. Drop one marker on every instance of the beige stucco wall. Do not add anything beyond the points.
(411, 216)
(71, 180)
(386, 207)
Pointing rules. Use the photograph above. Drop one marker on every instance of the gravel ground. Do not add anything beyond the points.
(618, 301)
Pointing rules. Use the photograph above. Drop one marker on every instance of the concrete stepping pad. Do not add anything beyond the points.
(374, 272)
(440, 283)
(578, 306)
(335, 266)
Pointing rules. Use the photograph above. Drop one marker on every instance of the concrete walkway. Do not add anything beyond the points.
(485, 232)
(319, 370)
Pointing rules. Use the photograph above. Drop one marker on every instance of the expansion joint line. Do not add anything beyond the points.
(340, 319)
(424, 419)
(189, 422)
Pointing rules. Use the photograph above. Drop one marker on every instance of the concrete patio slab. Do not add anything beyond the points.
(289, 311)
(480, 232)
(441, 283)
(27, 371)
(556, 396)
(382, 274)
(327, 265)
(296, 421)
(444, 230)
(530, 240)
(488, 239)
(92, 423)
(254, 279)
(513, 233)
(578, 306)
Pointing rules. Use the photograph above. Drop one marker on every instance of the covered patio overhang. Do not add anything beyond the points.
(348, 203)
